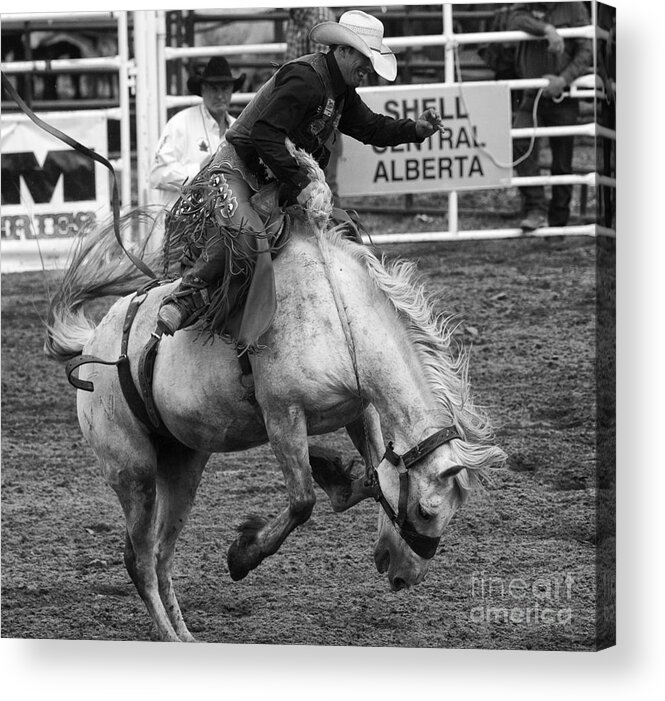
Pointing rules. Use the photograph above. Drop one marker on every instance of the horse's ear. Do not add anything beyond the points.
(462, 479)
(449, 472)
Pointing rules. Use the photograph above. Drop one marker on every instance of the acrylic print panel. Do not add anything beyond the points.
(527, 562)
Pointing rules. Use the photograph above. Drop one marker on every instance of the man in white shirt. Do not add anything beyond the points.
(194, 133)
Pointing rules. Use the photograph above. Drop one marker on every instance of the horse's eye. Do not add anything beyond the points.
(424, 515)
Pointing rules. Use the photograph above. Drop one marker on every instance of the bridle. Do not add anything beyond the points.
(423, 545)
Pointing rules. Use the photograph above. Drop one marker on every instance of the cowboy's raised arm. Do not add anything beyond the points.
(368, 127)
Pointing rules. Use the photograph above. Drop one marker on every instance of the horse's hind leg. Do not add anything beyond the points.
(258, 538)
(347, 485)
(135, 484)
(179, 471)
(344, 484)
(365, 432)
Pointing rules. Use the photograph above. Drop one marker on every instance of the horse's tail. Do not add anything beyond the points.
(97, 268)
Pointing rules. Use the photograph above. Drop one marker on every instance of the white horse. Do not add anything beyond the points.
(355, 343)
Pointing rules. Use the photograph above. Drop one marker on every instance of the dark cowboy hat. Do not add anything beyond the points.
(217, 71)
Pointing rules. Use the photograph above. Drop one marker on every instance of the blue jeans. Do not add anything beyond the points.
(550, 114)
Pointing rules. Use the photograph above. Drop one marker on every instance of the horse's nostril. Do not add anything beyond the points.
(399, 584)
(382, 561)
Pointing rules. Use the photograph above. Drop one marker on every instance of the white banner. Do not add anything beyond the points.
(49, 190)
(475, 152)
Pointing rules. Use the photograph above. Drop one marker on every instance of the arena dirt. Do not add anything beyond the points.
(516, 569)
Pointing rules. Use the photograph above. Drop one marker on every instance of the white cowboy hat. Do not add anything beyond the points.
(363, 33)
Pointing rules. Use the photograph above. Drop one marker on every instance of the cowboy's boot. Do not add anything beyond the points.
(188, 301)
(183, 305)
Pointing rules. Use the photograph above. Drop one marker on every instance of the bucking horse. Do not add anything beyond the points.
(356, 342)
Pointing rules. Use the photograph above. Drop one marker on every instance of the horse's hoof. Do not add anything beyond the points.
(237, 558)
(237, 568)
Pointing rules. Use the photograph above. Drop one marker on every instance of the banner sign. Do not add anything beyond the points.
(474, 153)
(49, 190)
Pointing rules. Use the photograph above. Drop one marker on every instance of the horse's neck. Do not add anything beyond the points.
(393, 375)
(386, 360)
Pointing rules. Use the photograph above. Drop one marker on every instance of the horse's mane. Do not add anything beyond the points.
(430, 331)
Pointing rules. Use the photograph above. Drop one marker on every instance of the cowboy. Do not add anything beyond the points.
(195, 133)
(304, 102)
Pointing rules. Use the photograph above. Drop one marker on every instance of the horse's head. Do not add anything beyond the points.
(420, 493)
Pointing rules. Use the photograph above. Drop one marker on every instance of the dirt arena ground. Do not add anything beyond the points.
(516, 569)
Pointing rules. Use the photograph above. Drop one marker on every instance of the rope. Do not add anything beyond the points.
(346, 327)
(534, 116)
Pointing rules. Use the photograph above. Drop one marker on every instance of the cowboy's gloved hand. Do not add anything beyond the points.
(429, 122)
(322, 157)
(554, 40)
(289, 191)
(555, 87)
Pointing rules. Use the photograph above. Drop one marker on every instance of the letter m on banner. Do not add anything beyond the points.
(77, 172)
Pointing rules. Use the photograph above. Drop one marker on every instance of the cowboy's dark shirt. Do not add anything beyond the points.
(297, 96)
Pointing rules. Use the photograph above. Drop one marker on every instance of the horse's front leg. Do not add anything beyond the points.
(347, 485)
(259, 538)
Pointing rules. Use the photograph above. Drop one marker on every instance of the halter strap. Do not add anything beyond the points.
(425, 447)
(423, 545)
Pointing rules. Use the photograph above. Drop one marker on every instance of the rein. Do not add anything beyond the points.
(6, 84)
(371, 480)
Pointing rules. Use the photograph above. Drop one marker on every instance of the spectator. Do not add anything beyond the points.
(561, 62)
(195, 133)
(298, 43)
(300, 22)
